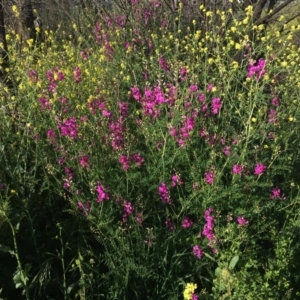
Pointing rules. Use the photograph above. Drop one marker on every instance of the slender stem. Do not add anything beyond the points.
(23, 278)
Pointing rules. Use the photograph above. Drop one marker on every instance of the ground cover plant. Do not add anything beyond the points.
(151, 157)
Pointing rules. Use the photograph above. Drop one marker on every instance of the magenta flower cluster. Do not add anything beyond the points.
(257, 68)
(70, 176)
(170, 224)
(208, 228)
(276, 193)
(69, 128)
(101, 193)
(237, 169)
(77, 75)
(187, 222)
(176, 180)
(126, 161)
(85, 208)
(197, 251)
(259, 169)
(242, 221)
(210, 176)
(164, 193)
(128, 209)
(54, 77)
(151, 100)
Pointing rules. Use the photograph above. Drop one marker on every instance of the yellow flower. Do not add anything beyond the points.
(189, 290)
(238, 46)
(15, 10)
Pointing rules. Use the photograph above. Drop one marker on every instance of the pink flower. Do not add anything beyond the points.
(193, 88)
(210, 87)
(163, 64)
(201, 98)
(170, 224)
(272, 118)
(277, 194)
(176, 180)
(128, 207)
(257, 69)
(69, 128)
(197, 251)
(163, 192)
(77, 75)
(187, 222)
(125, 162)
(45, 104)
(210, 177)
(101, 191)
(85, 208)
(84, 161)
(226, 150)
(259, 169)
(136, 94)
(237, 169)
(241, 221)
(216, 105)
(183, 73)
(137, 159)
(275, 101)
(208, 227)
(139, 218)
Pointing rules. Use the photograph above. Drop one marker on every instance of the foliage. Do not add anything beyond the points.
(142, 159)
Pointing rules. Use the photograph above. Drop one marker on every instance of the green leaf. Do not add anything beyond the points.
(210, 257)
(6, 249)
(233, 262)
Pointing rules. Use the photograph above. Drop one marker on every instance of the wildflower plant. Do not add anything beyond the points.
(148, 154)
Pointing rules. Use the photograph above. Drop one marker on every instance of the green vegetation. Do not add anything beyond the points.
(149, 156)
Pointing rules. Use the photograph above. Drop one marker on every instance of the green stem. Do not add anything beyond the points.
(23, 278)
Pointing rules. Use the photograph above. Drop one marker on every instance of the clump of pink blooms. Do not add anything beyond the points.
(101, 193)
(197, 251)
(135, 158)
(33, 75)
(216, 105)
(163, 64)
(84, 161)
(85, 208)
(51, 135)
(187, 222)
(54, 77)
(276, 193)
(170, 224)
(210, 176)
(77, 75)
(176, 180)
(208, 229)
(70, 176)
(259, 169)
(257, 68)
(195, 296)
(242, 221)
(45, 104)
(128, 209)
(164, 194)
(69, 128)
(237, 169)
